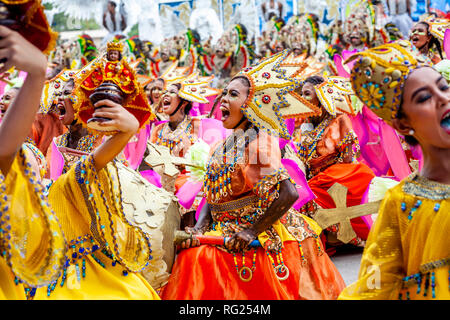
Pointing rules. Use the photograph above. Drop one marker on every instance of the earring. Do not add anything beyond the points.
(411, 132)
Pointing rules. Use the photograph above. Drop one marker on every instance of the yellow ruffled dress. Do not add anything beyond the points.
(104, 251)
(407, 255)
(31, 240)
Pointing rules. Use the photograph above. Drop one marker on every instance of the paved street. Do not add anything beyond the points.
(347, 261)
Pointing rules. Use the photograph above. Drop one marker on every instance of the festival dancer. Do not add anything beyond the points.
(31, 240)
(329, 153)
(181, 130)
(101, 262)
(154, 92)
(76, 137)
(407, 253)
(249, 195)
(429, 41)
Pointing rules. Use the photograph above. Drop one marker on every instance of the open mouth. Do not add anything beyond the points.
(165, 102)
(445, 121)
(225, 113)
(61, 110)
(414, 39)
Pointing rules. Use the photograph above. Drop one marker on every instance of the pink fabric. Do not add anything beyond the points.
(366, 127)
(211, 131)
(152, 177)
(417, 154)
(187, 193)
(339, 63)
(56, 163)
(394, 151)
(134, 151)
(447, 43)
(305, 193)
(199, 208)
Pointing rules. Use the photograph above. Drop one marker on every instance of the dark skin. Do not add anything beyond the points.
(309, 93)
(426, 101)
(235, 93)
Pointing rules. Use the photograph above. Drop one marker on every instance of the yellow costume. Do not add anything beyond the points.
(104, 251)
(407, 255)
(31, 240)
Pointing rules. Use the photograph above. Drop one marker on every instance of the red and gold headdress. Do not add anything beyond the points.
(121, 74)
(30, 21)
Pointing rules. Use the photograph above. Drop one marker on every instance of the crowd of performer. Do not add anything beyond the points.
(229, 171)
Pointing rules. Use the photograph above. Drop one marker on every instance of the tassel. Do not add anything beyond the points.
(433, 285)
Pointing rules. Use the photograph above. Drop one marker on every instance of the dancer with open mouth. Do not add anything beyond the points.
(249, 196)
(408, 245)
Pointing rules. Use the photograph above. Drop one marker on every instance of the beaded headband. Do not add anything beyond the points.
(379, 74)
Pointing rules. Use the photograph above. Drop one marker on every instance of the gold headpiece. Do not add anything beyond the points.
(379, 74)
(114, 46)
(335, 95)
(175, 74)
(438, 27)
(195, 88)
(272, 96)
(53, 88)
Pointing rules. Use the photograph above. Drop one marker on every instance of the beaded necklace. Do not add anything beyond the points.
(307, 149)
(217, 181)
(245, 273)
(171, 139)
(84, 144)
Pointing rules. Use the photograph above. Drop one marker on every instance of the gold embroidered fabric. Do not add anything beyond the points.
(408, 245)
(90, 203)
(31, 240)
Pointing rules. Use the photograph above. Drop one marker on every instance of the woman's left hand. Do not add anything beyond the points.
(241, 240)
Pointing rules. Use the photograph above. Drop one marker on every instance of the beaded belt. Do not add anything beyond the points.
(235, 204)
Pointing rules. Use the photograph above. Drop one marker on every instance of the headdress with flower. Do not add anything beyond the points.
(379, 74)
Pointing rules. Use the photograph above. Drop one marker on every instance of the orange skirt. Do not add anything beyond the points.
(356, 177)
(208, 273)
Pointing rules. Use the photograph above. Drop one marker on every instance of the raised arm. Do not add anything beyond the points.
(17, 121)
(126, 125)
